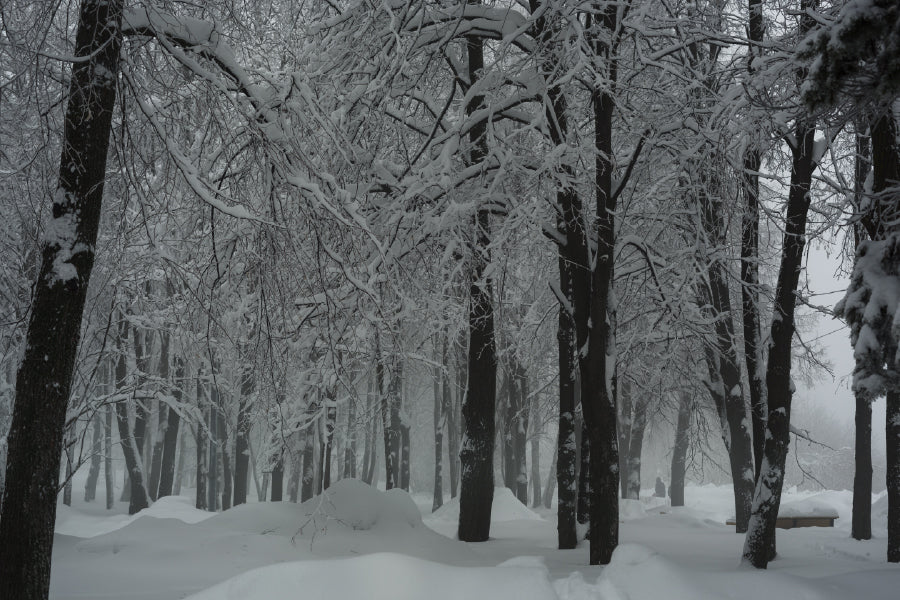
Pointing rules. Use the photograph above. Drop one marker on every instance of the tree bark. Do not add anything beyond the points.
(278, 479)
(552, 478)
(44, 378)
(135, 468)
(861, 528)
(750, 258)
(309, 473)
(892, 440)
(679, 450)
(535, 457)
(477, 452)
(170, 440)
(438, 421)
(635, 447)
(108, 474)
(767, 498)
(90, 486)
(242, 438)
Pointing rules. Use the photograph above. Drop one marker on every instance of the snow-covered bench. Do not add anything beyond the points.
(803, 513)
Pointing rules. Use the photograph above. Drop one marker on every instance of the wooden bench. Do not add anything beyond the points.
(799, 521)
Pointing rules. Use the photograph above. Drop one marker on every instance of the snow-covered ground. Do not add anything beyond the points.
(356, 542)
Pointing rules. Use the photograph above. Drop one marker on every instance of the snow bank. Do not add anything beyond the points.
(383, 576)
(506, 507)
(71, 521)
(808, 507)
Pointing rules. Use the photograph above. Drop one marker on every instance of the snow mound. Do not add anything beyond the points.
(506, 507)
(383, 576)
(361, 507)
(73, 522)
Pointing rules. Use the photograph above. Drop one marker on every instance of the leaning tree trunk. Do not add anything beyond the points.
(679, 450)
(767, 499)
(477, 452)
(550, 486)
(44, 379)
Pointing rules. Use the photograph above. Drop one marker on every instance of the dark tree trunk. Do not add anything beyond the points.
(133, 465)
(108, 474)
(437, 494)
(242, 438)
(278, 479)
(142, 343)
(390, 415)
(520, 434)
(767, 499)
(309, 473)
(212, 476)
(477, 453)
(635, 448)
(679, 450)
(44, 379)
(750, 259)
(453, 417)
(330, 417)
(179, 467)
(551, 485)
(170, 440)
(724, 366)
(369, 456)
(201, 439)
(294, 479)
(350, 446)
(535, 458)
(596, 334)
(892, 440)
(861, 528)
(90, 486)
(163, 421)
(404, 457)
(222, 428)
(626, 419)
(583, 510)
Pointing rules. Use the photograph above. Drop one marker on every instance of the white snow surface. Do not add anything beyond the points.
(356, 542)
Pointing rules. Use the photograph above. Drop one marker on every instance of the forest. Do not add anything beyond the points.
(435, 289)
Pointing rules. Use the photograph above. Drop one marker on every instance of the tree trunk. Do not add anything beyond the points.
(767, 499)
(242, 438)
(635, 447)
(179, 467)
(535, 457)
(750, 258)
(163, 421)
(861, 528)
(294, 479)
(350, 445)
(438, 421)
(90, 486)
(222, 428)
(201, 439)
(551, 485)
(625, 422)
(44, 379)
(309, 474)
(453, 418)
(278, 479)
(477, 452)
(892, 440)
(330, 420)
(135, 468)
(583, 510)
(679, 450)
(108, 474)
(170, 440)
(67, 486)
